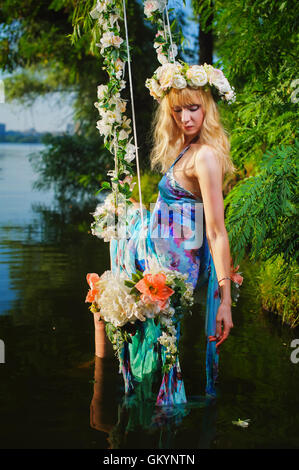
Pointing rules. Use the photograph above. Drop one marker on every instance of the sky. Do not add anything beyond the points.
(54, 112)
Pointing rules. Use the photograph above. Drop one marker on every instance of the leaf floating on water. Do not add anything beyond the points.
(243, 423)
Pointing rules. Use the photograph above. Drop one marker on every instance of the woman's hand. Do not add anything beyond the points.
(224, 323)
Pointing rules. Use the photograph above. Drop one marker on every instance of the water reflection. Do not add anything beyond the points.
(47, 255)
(41, 238)
(48, 332)
(124, 419)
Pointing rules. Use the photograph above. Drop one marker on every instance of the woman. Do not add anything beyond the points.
(186, 230)
(194, 127)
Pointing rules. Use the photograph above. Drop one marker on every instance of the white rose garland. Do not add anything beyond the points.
(113, 124)
(179, 75)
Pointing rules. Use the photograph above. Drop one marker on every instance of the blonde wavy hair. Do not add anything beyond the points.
(169, 139)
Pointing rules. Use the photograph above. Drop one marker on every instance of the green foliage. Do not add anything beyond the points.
(262, 118)
(65, 165)
(257, 46)
(256, 42)
(261, 209)
(149, 188)
(34, 33)
(37, 48)
(279, 291)
(25, 87)
(143, 59)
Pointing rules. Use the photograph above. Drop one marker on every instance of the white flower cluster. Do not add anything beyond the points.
(110, 205)
(109, 39)
(166, 49)
(150, 6)
(110, 118)
(177, 75)
(169, 341)
(110, 218)
(107, 23)
(102, 230)
(113, 124)
(187, 296)
(167, 323)
(101, 7)
(171, 51)
(116, 304)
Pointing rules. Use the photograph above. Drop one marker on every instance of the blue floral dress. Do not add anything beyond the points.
(175, 238)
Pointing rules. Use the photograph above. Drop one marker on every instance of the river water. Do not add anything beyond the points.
(54, 394)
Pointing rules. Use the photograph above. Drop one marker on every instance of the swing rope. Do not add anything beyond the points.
(135, 133)
(169, 32)
(116, 199)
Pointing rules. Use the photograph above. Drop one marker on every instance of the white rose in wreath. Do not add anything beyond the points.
(179, 82)
(196, 75)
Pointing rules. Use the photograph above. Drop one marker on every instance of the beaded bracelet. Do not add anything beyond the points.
(224, 278)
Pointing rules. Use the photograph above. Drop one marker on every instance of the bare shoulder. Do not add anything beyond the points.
(205, 159)
(204, 153)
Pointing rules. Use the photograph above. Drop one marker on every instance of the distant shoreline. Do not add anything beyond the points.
(4, 142)
(15, 137)
(41, 144)
(21, 139)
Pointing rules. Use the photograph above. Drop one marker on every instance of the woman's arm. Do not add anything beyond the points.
(209, 174)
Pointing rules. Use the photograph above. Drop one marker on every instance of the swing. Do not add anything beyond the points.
(143, 297)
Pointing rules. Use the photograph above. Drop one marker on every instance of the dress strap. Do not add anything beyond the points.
(181, 154)
(184, 150)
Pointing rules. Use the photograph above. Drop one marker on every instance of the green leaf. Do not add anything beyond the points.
(137, 277)
(129, 339)
(173, 24)
(129, 283)
(134, 291)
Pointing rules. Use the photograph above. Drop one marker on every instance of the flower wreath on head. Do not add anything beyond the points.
(180, 75)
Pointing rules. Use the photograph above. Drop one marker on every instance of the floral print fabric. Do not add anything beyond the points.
(174, 236)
